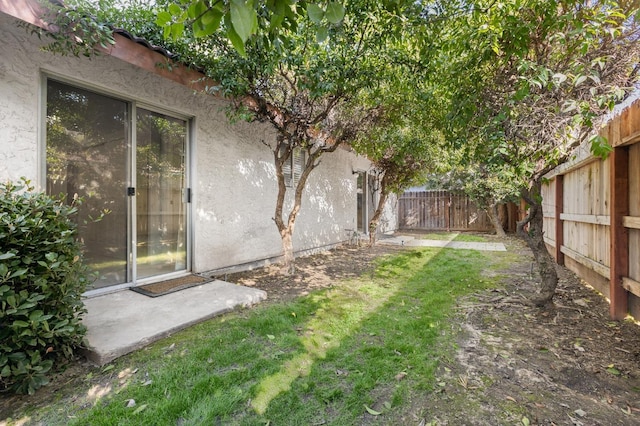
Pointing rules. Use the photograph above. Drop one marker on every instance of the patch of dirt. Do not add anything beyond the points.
(519, 365)
(513, 365)
(313, 272)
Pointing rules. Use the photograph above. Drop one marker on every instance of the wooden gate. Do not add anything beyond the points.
(441, 210)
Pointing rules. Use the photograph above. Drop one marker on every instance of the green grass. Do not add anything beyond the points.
(322, 359)
(453, 236)
(473, 238)
(440, 236)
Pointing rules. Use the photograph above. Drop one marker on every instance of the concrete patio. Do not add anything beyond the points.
(410, 241)
(124, 321)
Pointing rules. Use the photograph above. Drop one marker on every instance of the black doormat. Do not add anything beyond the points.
(170, 286)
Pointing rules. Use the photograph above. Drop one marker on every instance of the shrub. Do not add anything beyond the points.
(42, 278)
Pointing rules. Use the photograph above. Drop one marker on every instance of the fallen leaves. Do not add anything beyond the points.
(401, 375)
(611, 369)
(140, 409)
(372, 411)
(580, 412)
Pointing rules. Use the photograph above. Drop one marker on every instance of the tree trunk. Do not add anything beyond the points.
(534, 238)
(373, 223)
(288, 262)
(495, 219)
(286, 227)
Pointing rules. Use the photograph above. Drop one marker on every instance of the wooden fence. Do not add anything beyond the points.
(441, 210)
(592, 215)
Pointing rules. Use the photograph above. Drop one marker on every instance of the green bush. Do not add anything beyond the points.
(42, 278)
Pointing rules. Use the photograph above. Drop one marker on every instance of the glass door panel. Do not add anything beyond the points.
(362, 204)
(160, 182)
(87, 152)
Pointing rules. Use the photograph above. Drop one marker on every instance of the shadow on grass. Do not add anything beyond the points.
(386, 349)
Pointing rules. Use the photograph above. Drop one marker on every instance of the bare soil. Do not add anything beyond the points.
(565, 365)
(514, 364)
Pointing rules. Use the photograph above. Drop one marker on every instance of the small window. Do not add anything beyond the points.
(294, 167)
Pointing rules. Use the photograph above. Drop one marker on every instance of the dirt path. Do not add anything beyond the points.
(519, 365)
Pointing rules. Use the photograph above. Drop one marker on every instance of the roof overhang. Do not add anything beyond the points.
(35, 12)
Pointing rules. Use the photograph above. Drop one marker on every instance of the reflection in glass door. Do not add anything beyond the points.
(134, 180)
(362, 203)
(87, 152)
(160, 206)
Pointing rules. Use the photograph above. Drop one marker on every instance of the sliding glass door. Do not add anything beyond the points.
(129, 171)
(160, 211)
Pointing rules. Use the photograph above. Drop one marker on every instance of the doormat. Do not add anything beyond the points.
(171, 286)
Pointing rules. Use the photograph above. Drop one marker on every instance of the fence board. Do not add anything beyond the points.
(586, 213)
(593, 219)
(599, 215)
(630, 285)
(549, 212)
(440, 210)
(589, 263)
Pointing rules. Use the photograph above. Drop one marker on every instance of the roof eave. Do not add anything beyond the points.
(35, 12)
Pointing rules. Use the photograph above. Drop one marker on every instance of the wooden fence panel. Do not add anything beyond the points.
(422, 210)
(440, 210)
(586, 214)
(548, 211)
(598, 213)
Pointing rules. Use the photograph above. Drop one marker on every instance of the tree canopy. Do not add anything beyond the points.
(527, 82)
(316, 77)
(505, 89)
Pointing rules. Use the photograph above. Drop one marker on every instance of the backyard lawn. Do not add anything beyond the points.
(389, 336)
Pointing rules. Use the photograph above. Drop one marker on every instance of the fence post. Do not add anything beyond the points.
(448, 213)
(619, 263)
(559, 203)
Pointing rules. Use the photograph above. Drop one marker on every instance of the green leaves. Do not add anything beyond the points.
(244, 18)
(208, 23)
(315, 13)
(323, 18)
(600, 146)
(239, 20)
(372, 411)
(529, 80)
(335, 13)
(41, 284)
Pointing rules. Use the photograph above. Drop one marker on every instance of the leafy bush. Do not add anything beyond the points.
(42, 278)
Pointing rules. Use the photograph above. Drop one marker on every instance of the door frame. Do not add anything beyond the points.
(132, 105)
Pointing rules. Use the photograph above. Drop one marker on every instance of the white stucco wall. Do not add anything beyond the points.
(232, 172)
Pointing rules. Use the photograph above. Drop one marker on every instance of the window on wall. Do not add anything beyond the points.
(294, 166)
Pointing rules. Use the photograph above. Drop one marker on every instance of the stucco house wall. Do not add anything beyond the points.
(231, 172)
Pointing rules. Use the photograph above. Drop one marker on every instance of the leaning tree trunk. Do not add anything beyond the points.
(375, 220)
(534, 238)
(495, 220)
